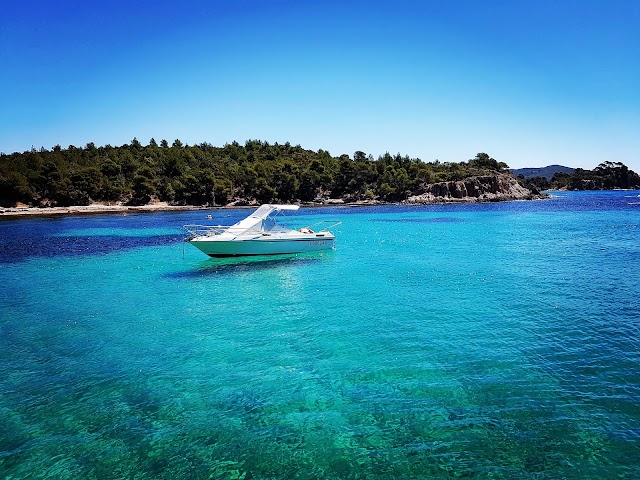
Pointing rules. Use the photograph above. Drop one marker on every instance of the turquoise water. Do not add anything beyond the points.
(486, 341)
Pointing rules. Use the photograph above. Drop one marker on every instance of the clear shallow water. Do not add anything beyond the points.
(487, 341)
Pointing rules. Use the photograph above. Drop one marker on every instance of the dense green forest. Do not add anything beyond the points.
(606, 176)
(205, 175)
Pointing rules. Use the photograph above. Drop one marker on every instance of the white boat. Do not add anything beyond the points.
(260, 234)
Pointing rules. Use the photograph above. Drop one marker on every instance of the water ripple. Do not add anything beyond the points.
(480, 341)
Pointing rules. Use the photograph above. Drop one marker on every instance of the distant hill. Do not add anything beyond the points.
(546, 172)
(606, 176)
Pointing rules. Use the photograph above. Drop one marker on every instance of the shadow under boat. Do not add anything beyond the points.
(243, 264)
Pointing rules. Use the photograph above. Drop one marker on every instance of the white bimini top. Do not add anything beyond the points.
(257, 217)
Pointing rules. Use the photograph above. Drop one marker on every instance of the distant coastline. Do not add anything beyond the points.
(27, 211)
(97, 208)
(137, 178)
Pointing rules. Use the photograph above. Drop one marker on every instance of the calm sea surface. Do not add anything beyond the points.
(487, 341)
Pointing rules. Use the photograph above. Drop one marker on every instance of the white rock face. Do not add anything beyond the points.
(488, 188)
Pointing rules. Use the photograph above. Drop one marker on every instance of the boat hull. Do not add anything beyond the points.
(235, 248)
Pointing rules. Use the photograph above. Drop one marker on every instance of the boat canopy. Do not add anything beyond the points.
(265, 210)
(261, 214)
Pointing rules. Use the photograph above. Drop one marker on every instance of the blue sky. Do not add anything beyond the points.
(532, 83)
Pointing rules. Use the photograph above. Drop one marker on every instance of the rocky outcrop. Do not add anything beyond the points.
(486, 188)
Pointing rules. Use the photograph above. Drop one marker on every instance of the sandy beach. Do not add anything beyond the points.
(94, 209)
(97, 208)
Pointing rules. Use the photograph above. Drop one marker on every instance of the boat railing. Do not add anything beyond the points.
(323, 225)
(211, 230)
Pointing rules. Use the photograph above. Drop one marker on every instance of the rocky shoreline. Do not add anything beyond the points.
(489, 188)
(486, 188)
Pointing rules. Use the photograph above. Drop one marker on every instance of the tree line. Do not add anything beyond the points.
(606, 176)
(203, 174)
